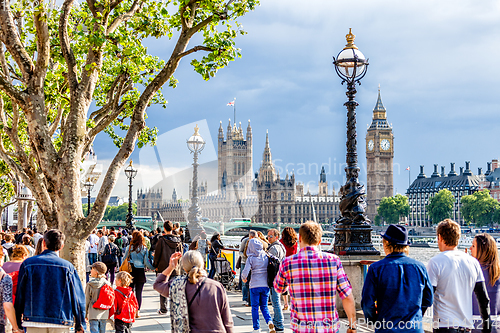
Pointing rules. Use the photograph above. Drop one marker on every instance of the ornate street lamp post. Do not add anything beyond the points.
(195, 145)
(88, 186)
(131, 173)
(353, 231)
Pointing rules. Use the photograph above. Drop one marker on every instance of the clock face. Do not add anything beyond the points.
(370, 145)
(385, 144)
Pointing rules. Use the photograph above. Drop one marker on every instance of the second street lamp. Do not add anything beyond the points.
(130, 172)
(195, 145)
(88, 186)
(353, 230)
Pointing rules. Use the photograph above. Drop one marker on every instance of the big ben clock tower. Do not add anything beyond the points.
(379, 156)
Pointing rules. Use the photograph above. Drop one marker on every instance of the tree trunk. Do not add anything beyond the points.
(74, 251)
(41, 225)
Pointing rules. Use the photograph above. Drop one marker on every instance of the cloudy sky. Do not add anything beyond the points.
(434, 60)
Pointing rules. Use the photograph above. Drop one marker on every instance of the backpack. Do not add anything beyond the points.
(110, 255)
(10, 250)
(106, 298)
(128, 309)
(273, 266)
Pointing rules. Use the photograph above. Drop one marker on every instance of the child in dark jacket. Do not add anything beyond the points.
(126, 305)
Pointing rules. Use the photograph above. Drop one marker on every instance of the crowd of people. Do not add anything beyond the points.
(42, 293)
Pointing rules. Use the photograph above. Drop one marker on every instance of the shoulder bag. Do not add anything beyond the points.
(126, 266)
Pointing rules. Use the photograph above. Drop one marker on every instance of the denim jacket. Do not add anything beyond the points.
(50, 291)
(139, 259)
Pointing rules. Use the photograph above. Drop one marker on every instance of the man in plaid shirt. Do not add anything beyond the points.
(314, 278)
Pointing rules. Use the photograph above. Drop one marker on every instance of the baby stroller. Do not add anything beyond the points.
(224, 273)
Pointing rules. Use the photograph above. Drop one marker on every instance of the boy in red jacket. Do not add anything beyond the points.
(126, 305)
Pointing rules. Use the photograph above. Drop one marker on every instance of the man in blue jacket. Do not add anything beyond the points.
(50, 295)
(397, 289)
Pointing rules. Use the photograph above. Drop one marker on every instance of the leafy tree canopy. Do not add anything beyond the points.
(440, 206)
(72, 72)
(480, 208)
(391, 209)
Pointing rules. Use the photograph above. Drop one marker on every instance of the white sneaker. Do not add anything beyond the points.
(271, 327)
(256, 331)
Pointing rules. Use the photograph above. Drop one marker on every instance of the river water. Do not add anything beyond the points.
(423, 254)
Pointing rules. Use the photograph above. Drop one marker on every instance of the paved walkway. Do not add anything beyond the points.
(150, 320)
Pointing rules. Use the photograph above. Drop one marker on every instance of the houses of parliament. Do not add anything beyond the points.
(265, 196)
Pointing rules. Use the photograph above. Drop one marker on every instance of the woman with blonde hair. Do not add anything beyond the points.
(198, 304)
(484, 249)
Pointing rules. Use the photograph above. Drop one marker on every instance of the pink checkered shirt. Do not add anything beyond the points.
(313, 278)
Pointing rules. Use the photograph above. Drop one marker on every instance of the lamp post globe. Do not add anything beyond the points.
(88, 186)
(195, 144)
(353, 229)
(130, 172)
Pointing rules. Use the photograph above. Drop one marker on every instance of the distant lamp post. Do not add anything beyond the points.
(353, 229)
(88, 186)
(130, 172)
(24, 195)
(195, 145)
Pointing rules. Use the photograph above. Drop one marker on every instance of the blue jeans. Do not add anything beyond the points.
(278, 312)
(259, 297)
(212, 258)
(98, 326)
(244, 287)
(92, 258)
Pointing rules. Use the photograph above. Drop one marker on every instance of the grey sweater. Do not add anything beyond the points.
(91, 296)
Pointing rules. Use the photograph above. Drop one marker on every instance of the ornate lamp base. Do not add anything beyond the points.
(193, 229)
(354, 239)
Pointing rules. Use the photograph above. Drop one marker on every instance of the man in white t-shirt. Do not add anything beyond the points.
(455, 276)
(94, 242)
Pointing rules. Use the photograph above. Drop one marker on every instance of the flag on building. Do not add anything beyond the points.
(408, 169)
(230, 103)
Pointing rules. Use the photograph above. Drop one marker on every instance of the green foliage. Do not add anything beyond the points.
(124, 53)
(391, 209)
(118, 213)
(440, 206)
(378, 220)
(480, 208)
(7, 191)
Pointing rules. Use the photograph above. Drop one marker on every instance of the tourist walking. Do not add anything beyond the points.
(139, 260)
(94, 243)
(198, 304)
(397, 290)
(48, 281)
(97, 317)
(245, 291)
(314, 278)
(203, 246)
(215, 250)
(110, 257)
(27, 244)
(165, 247)
(103, 240)
(19, 254)
(484, 249)
(126, 306)
(277, 250)
(289, 240)
(455, 276)
(6, 301)
(257, 262)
